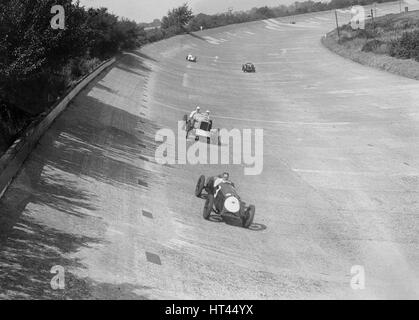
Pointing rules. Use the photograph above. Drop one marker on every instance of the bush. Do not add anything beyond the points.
(82, 66)
(406, 47)
(372, 45)
(10, 126)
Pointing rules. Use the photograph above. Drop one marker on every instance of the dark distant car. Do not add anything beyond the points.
(224, 201)
(248, 67)
(191, 58)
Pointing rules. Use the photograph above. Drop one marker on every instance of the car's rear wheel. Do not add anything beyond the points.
(249, 216)
(200, 186)
(209, 205)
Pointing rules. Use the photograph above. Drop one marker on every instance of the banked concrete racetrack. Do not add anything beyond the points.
(339, 188)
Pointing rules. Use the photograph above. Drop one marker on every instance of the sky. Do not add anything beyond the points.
(148, 10)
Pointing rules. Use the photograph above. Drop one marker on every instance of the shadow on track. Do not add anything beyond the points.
(196, 36)
(141, 55)
(236, 223)
(131, 63)
(90, 141)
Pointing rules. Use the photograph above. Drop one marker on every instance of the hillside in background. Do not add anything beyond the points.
(390, 43)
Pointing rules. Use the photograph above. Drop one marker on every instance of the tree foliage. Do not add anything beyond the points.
(298, 7)
(38, 63)
(32, 53)
(177, 19)
(35, 59)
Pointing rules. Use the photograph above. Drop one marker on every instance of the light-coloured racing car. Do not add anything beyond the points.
(191, 58)
(201, 128)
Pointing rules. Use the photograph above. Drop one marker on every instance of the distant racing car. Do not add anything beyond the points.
(224, 201)
(248, 67)
(201, 128)
(191, 58)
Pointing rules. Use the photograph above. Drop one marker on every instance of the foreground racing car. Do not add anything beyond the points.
(248, 67)
(191, 58)
(202, 129)
(224, 201)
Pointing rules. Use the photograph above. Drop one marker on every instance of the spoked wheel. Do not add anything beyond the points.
(209, 204)
(200, 186)
(249, 216)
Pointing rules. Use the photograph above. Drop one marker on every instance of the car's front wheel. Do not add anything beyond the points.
(209, 205)
(249, 216)
(200, 186)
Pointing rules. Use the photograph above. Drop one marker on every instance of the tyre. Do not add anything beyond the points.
(209, 185)
(209, 204)
(200, 186)
(249, 216)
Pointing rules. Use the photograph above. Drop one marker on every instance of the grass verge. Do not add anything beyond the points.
(390, 43)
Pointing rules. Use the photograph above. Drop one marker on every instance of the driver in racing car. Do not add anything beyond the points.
(193, 114)
(206, 116)
(224, 178)
(208, 119)
(193, 117)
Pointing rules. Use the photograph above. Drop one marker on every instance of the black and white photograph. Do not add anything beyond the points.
(209, 150)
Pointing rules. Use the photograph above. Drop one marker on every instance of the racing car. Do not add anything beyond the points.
(191, 58)
(202, 129)
(248, 67)
(224, 201)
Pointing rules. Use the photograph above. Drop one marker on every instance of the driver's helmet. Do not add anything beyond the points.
(198, 108)
(208, 112)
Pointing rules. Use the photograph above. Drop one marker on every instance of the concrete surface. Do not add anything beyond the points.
(12, 160)
(339, 188)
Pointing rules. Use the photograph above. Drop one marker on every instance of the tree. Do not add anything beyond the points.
(264, 12)
(32, 54)
(129, 33)
(103, 36)
(177, 19)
